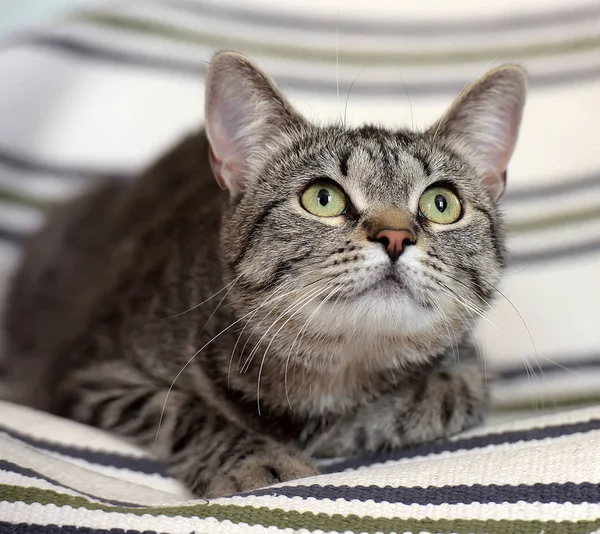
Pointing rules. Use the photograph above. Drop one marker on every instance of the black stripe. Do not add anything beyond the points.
(31, 473)
(196, 69)
(132, 408)
(119, 461)
(424, 162)
(448, 406)
(29, 528)
(566, 365)
(344, 157)
(393, 28)
(465, 444)
(11, 159)
(189, 426)
(500, 259)
(256, 227)
(554, 493)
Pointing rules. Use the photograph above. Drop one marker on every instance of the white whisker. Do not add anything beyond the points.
(162, 413)
(203, 302)
(248, 361)
(273, 339)
(412, 118)
(349, 91)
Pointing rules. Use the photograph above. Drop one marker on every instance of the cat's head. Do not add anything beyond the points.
(390, 240)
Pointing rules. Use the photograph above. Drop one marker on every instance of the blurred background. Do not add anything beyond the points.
(93, 90)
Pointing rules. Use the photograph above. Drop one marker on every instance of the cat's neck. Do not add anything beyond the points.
(314, 388)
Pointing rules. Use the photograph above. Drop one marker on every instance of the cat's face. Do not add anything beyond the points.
(362, 236)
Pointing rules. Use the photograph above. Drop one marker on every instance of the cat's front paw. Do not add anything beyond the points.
(260, 470)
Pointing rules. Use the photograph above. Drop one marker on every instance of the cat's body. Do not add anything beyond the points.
(253, 333)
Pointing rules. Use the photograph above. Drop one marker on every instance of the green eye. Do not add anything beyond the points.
(440, 205)
(324, 199)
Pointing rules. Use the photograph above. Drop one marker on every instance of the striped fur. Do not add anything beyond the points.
(238, 336)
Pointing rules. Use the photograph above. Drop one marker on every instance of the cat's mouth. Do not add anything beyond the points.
(390, 284)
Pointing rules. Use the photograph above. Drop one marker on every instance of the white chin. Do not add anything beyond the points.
(383, 310)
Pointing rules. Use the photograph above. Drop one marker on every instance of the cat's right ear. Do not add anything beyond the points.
(245, 115)
(485, 120)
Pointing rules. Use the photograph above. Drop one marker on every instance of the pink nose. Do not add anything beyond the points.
(394, 241)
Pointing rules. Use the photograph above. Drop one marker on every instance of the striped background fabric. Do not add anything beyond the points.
(525, 477)
(100, 92)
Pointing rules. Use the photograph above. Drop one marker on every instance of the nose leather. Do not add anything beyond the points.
(395, 240)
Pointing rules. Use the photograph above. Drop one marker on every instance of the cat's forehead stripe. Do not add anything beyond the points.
(344, 157)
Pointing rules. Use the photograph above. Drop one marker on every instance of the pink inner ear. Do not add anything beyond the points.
(216, 165)
(495, 184)
(228, 173)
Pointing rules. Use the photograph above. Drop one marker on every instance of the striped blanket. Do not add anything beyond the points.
(526, 477)
(99, 93)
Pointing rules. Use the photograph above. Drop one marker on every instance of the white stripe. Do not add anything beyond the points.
(116, 484)
(525, 462)
(564, 417)
(19, 218)
(57, 430)
(424, 10)
(545, 391)
(570, 234)
(40, 187)
(555, 304)
(153, 481)
(86, 117)
(567, 202)
(62, 431)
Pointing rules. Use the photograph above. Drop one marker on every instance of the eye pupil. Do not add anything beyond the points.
(324, 197)
(441, 203)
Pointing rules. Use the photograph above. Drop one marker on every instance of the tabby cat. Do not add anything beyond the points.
(272, 290)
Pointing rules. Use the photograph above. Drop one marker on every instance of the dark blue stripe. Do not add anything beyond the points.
(476, 442)
(16, 238)
(11, 159)
(573, 363)
(27, 472)
(120, 461)
(477, 493)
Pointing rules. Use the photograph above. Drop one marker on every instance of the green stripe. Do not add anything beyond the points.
(306, 520)
(345, 57)
(554, 220)
(540, 401)
(11, 197)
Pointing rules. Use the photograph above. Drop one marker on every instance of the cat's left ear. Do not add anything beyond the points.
(485, 120)
(246, 114)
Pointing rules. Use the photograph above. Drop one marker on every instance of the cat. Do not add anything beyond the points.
(272, 291)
